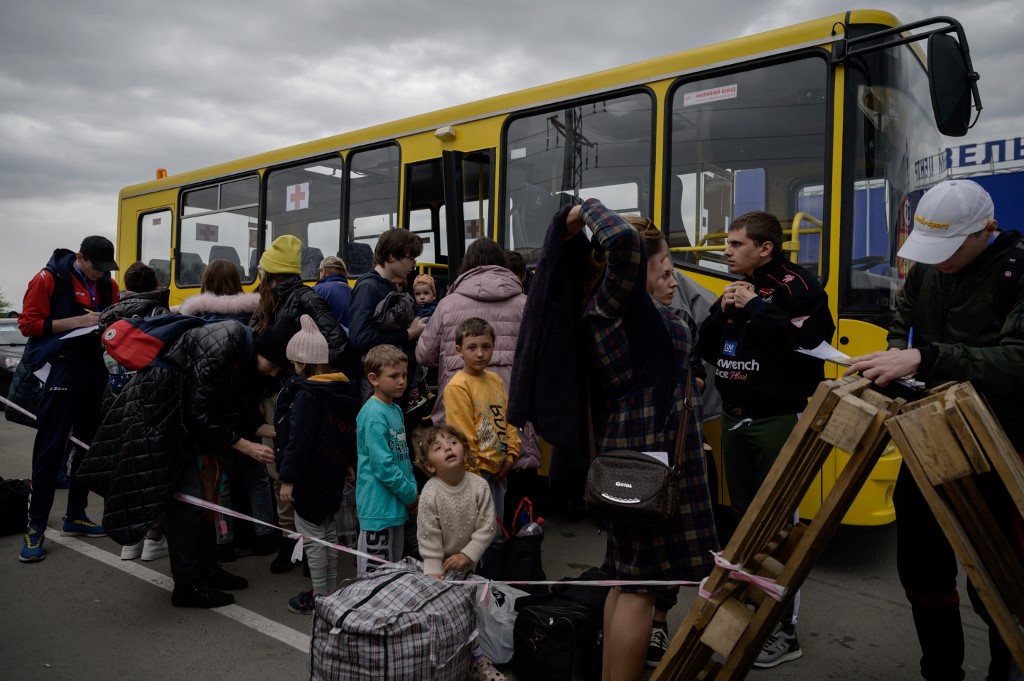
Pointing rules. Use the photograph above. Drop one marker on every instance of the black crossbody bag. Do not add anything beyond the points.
(626, 486)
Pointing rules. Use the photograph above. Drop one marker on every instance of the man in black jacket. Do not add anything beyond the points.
(751, 336)
(958, 318)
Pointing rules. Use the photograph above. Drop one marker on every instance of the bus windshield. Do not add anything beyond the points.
(896, 153)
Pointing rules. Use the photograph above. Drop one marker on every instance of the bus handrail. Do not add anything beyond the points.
(793, 245)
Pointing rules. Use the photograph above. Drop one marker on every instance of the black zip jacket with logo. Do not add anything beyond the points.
(758, 371)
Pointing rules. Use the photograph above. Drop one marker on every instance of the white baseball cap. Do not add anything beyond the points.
(948, 213)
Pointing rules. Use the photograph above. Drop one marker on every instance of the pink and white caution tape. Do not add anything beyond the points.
(33, 417)
(297, 553)
(766, 584)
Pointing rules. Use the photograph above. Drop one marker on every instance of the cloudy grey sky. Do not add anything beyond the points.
(96, 95)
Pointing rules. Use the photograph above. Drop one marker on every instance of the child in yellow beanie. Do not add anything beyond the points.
(284, 256)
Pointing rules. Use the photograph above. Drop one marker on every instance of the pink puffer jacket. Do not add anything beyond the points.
(489, 292)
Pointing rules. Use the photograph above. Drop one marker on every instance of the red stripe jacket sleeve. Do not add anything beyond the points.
(34, 319)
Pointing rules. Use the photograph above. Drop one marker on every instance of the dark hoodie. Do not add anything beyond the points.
(316, 441)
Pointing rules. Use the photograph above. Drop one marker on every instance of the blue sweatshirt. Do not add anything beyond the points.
(385, 484)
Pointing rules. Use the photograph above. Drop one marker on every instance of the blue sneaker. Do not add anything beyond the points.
(82, 527)
(302, 604)
(32, 548)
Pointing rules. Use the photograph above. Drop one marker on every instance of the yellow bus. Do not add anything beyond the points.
(827, 124)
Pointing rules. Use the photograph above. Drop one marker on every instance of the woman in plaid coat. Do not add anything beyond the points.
(639, 373)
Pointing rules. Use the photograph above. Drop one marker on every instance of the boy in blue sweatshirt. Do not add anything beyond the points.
(385, 486)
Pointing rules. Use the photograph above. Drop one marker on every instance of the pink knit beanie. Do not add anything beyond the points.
(309, 345)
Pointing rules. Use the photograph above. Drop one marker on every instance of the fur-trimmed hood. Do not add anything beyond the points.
(206, 304)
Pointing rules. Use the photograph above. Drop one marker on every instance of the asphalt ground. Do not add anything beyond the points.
(83, 614)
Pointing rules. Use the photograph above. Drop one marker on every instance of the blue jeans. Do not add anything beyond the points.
(257, 481)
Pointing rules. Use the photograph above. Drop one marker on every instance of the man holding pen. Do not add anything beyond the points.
(959, 317)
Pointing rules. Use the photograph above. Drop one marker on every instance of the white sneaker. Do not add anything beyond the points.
(154, 548)
(131, 551)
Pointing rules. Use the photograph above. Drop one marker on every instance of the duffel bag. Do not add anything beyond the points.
(395, 623)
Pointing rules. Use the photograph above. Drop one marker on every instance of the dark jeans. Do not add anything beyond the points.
(927, 568)
(191, 539)
(749, 450)
(70, 405)
(261, 496)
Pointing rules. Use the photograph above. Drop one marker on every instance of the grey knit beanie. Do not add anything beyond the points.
(309, 345)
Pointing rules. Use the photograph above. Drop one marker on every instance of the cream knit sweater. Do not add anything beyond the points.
(454, 519)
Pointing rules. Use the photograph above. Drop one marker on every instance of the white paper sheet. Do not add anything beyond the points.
(80, 332)
(828, 353)
(660, 456)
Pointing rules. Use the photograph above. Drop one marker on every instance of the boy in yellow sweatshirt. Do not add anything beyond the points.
(475, 402)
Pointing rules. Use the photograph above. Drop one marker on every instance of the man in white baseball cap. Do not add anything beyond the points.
(959, 317)
(951, 214)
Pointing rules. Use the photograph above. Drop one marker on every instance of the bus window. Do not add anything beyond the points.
(373, 175)
(605, 144)
(739, 142)
(216, 224)
(306, 201)
(155, 244)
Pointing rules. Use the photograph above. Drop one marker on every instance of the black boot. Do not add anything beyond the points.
(941, 635)
(265, 544)
(219, 578)
(199, 595)
(283, 561)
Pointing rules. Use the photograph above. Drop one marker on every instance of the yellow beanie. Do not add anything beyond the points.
(284, 256)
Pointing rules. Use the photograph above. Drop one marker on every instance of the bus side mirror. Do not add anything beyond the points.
(950, 81)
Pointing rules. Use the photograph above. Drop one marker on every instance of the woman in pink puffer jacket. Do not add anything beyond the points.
(485, 289)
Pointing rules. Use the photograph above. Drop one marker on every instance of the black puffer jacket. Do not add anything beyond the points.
(295, 299)
(136, 305)
(165, 415)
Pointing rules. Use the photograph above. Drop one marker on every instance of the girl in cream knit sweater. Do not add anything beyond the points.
(455, 519)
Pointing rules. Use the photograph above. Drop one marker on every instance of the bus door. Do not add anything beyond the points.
(448, 203)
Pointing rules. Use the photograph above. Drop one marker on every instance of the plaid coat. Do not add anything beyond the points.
(640, 373)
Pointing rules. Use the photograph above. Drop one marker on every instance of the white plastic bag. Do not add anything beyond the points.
(496, 615)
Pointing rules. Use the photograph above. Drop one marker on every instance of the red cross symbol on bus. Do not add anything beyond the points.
(297, 197)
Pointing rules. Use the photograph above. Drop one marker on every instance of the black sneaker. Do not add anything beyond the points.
(199, 595)
(658, 646)
(782, 646)
(219, 578)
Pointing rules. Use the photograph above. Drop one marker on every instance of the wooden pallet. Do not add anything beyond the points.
(947, 440)
(731, 619)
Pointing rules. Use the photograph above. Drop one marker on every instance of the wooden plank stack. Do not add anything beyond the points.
(948, 440)
(731, 619)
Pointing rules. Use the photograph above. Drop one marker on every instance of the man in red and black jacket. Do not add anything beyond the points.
(751, 336)
(68, 294)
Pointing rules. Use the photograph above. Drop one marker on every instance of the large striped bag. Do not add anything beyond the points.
(395, 623)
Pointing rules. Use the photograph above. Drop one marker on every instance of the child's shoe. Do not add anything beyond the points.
(483, 669)
(302, 604)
